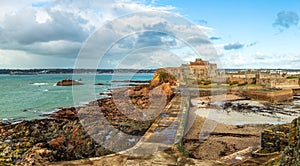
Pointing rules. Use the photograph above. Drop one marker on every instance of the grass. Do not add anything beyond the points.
(292, 77)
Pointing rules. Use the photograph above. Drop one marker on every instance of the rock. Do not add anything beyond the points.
(103, 84)
(162, 76)
(274, 138)
(291, 154)
(64, 114)
(105, 93)
(37, 156)
(68, 82)
(58, 141)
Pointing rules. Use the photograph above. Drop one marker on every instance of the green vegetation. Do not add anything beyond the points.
(166, 77)
(204, 82)
(234, 83)
(292, 77)
(242, 84)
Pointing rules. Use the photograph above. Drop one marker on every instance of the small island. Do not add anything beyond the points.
(68, 82)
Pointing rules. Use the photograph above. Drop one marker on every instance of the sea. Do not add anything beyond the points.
(27, 97)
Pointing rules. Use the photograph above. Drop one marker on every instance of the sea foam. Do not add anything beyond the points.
(40, 83)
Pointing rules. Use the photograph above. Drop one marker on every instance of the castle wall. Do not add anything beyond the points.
(273, 96)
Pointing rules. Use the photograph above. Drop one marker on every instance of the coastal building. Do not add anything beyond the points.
(241, 77)
(205, 72)
(268, 78)
(277, 80)
(197, 70)
(203, 69)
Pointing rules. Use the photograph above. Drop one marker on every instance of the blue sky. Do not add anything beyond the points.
(245, 34)
(248, 23)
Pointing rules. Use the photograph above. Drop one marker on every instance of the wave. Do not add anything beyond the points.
(40, 83)
(46, 90)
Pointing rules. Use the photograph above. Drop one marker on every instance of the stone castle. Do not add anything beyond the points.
(198, 70)
(201, 70)
(270, 85)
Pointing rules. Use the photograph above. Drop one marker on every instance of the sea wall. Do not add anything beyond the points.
(241, 80)
(272, 96)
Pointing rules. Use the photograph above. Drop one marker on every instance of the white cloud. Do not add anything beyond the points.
(42, 17)
(57, 28)
(143, 30)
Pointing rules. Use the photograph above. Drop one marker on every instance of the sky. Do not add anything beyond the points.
(134, 34)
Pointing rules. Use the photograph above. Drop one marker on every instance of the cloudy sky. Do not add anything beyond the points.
(232, 33)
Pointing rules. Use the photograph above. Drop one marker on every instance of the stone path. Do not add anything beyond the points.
(164, 132)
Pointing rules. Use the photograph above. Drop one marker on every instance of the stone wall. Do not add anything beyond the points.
(291, 155)
(275, 138)
(280, 82)
(287, 83)
(272, 96)
(240, 80)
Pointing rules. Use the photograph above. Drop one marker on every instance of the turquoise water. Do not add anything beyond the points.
(29, 96)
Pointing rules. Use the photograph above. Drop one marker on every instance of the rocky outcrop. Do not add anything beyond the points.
(68, 82)
(64, 137)
(47, 140)
(291, 155)
(274, 138)
(64, 114)
(162, 76)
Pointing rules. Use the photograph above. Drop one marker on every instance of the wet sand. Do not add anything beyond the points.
(261, 114)
(223, 141)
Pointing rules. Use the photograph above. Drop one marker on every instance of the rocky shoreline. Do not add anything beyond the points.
(93, 130)
(63, 136)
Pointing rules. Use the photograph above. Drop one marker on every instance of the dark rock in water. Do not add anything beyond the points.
(102, 84)
(105, 93)
(24, 110)
(68, 82)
